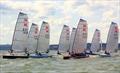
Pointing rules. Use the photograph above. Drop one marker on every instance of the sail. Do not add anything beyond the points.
(19, 42)
(43, 38)
(32, 38)
(72, 39)
(80, 40)
(112, 39)
(95, 45)
(64, 40)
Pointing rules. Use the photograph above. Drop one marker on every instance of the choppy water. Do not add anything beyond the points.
(57, 65)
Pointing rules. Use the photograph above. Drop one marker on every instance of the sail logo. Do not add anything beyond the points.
(84, 28)
(26, 22)
(36, 30)
(25, 29)
(67, 34)
(36, 33)
(84, 31)
(98, 34)
(46, 29)
(116, 29)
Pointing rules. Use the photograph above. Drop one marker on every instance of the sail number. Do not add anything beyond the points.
(116, 36)
(25, 30)
(84, 35)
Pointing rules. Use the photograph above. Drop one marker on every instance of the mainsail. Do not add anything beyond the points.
(80, 39)
(32, 38)
(112, 39)
(72, 39)
(64, 40)
(19, 42)
(95, 45)
(43, 38)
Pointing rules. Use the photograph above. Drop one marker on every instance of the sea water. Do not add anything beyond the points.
(58, 65)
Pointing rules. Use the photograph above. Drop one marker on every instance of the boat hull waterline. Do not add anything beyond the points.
(14, 57)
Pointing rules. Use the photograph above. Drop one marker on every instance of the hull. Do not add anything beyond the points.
(14, 57)
(64, 56)
(115, 54)
(105, 55)
(39, 56)
(78, 56)
(93, 56)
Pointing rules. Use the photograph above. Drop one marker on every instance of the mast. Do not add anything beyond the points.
(80, 40)
(19, 41)
(32, 38)
(101, 46)
(64, 40)
(95, 45)
(112, 39)
(43, 38)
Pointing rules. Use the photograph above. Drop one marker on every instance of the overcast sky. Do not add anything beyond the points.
(98, 13)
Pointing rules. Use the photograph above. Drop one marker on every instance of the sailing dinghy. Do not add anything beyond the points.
(95, 45)
(112, 40)
(80, 40)
(64, 42)
(42, 42)
(32, 38)
(19, 42)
